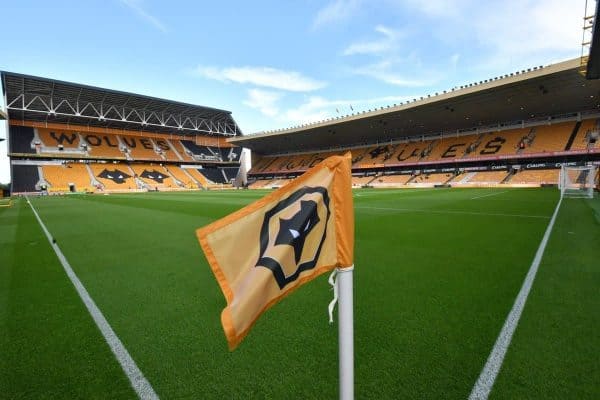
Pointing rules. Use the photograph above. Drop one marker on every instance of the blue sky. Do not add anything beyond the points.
(280, 63)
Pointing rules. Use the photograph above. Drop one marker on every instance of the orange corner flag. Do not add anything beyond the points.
(264, 251)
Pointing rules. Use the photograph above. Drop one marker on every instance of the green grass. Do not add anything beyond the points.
(436, 274)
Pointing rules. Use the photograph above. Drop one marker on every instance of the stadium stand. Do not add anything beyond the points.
(413, 144)
(67, 177)
(105, 128)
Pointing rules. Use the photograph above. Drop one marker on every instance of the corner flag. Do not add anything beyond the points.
(264, 251)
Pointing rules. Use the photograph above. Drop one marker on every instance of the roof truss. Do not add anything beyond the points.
(40, 99)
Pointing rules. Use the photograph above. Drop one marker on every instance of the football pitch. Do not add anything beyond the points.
(437, 272)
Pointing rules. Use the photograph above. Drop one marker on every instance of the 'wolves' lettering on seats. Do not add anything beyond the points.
(115, 175)
(131, 142)
(493, 146)
(378, 151)
(162, 144)
(290, 165)
(62, 137)
(314, 161)
(154, 175)
(146, 143)
(451, 151)
(414, 153)
(95, 141)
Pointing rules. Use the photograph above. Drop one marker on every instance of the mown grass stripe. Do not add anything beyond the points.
(138, 381)
(450, 212)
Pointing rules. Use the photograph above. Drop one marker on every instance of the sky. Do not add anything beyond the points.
(276, 64)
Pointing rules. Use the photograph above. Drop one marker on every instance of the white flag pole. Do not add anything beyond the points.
(346, 332)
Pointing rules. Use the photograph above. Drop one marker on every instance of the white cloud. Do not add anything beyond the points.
(522, 33)
(264, 101)
(387, 71)
(335, 12)
(440, 8)
(507, 34)
(388, 40)
(137, 6)
(317, 108)
(262, 76)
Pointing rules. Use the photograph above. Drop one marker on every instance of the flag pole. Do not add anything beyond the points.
(346, 332)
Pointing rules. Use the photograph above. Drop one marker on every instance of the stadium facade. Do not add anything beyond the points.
(67, 137)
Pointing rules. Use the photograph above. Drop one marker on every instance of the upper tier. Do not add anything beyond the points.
(72, 143)
(542, 140)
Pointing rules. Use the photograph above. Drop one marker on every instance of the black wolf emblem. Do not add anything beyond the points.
(154, 175)
(115, 175)
(300, 222)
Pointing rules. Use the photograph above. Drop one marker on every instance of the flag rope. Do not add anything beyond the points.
(333, 282)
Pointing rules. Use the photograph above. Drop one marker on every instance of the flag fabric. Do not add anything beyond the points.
(264, 251)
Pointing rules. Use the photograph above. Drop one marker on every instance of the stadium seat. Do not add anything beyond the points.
(362, 180)
(536, 176)
(485, 177)
(584, 139)
(198, 177)
(392, 180)
(549, 138)
(181, 175)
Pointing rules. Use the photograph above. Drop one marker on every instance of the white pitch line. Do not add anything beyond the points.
(452, 212)
(490, 371)
(137, 379)
(488, 195)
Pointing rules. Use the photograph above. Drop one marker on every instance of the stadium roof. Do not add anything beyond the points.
(32, 98)
(536, 93)
(593, 64)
